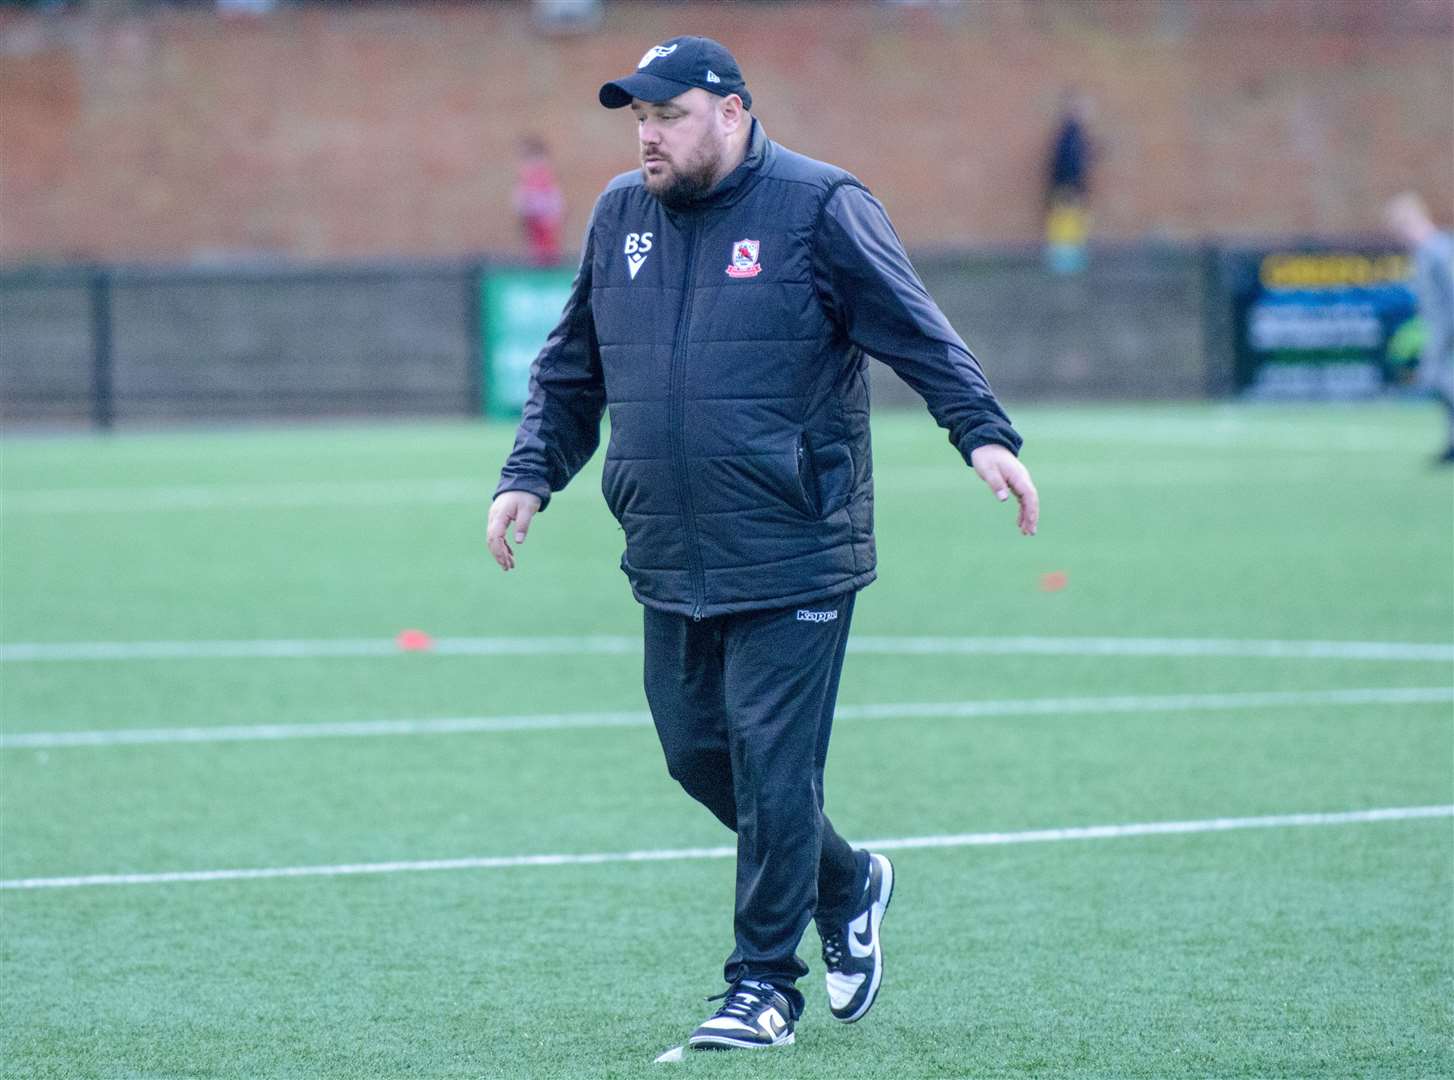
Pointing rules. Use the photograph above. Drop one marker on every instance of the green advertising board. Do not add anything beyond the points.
(521, 308)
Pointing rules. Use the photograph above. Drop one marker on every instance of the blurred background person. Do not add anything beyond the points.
(539, 202)
(1067, 185)
(1407, 217)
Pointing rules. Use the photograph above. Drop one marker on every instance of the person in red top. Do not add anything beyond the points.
(539, 203)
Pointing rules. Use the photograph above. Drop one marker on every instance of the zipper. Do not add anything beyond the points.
(678, 395)
(808, 476)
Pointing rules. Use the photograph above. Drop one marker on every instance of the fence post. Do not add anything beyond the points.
(1217, 337)
(474, 319)
(102, 397)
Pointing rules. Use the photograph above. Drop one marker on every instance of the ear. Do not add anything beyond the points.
(730, 113)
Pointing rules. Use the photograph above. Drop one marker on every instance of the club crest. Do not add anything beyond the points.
(744, 259)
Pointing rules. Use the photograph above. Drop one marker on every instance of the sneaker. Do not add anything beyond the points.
(754, 1015)
(852, 951)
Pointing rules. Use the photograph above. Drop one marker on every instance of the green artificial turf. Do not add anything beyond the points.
(1323, 951)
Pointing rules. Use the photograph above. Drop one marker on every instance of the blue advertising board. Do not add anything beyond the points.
(1323, 324)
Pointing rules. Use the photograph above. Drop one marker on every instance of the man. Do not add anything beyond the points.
(538, 202)
(1067, 172)
(1067, 186)
(726, 298)
(1408, 219)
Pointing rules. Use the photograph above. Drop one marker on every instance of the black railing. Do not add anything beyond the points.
(106, 345)
(109, 344)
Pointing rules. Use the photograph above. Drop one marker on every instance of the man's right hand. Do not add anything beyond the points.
(516, 506)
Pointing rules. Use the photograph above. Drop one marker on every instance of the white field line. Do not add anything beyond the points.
(300, 494)
(957, 481)
(475, 489)
(947, 477)
(948, 840)
(613, 645)
(1146, 703)
(1119, 646)
(1221, 435)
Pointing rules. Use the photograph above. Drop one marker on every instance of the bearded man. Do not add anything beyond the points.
(728, 294)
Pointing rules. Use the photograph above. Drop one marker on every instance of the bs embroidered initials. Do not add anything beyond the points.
(637, 245)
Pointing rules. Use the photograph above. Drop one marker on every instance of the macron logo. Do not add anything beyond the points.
(804, 615)
(635, 249)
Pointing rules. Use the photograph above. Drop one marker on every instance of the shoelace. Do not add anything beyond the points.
(833, 950)
(744, 1001)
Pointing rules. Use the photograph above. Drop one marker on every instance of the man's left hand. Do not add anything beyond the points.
(1004, 474)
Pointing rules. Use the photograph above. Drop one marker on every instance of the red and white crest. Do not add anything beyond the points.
(744, 259)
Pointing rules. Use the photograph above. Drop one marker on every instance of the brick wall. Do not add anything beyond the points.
(336, 132)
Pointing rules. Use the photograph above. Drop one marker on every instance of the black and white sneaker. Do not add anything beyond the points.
(753, 1015)
(852, 951)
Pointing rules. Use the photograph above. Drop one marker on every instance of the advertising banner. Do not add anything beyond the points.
(1323, 324)
(520, 309)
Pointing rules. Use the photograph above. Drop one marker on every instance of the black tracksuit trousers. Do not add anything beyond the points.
(743, 705)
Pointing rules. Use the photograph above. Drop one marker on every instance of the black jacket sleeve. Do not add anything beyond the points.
(865, 278)
(560, 426)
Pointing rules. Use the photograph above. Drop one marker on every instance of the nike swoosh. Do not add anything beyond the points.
(860, 938)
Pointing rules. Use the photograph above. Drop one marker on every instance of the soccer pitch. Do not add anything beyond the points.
(244, 834)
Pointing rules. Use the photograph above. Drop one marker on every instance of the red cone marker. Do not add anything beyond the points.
(414, 641)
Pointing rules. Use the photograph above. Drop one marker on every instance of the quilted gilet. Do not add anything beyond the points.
(739, 462)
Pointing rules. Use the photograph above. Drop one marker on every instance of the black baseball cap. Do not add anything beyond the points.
(674, 67)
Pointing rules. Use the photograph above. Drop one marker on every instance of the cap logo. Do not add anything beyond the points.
(656, 52)
(712, 76)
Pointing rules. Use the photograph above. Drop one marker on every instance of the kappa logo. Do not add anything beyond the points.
(804, 615)
(656, 52)
(744, 259)
(637, 245)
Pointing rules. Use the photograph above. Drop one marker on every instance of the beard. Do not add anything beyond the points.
(678, 187)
